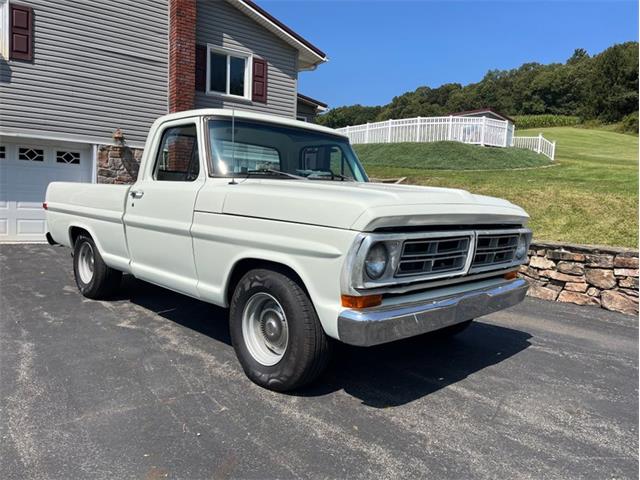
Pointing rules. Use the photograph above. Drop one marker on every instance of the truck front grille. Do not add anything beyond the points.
(492, 250)
(434, 256)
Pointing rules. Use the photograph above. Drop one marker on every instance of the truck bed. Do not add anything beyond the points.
(96, 208)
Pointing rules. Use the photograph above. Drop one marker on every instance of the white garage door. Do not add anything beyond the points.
(26, 168)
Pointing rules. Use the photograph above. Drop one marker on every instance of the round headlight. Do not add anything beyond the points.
(521, 251)
(376, 262)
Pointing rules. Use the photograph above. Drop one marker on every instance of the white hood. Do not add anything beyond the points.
(365, 206)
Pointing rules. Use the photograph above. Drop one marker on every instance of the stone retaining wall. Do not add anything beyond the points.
(583, 274)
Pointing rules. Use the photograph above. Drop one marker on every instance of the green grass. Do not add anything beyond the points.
(591, 196)
(447, 156)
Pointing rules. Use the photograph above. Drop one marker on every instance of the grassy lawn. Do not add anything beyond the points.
(591, 196)
(437, 156)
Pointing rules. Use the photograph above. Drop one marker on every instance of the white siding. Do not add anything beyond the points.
(222, 25)
(98, 66)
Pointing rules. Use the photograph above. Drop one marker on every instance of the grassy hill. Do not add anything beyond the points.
(591, 196)
(447, 156)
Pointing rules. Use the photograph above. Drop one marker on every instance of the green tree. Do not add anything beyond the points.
(603, 86)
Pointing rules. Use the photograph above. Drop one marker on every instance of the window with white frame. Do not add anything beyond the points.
(228, 73)
(4, 29)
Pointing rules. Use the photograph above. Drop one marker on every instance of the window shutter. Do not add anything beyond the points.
(20, 32)
(201, 68)
(259, 80)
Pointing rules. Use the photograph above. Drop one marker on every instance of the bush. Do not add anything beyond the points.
(548, 120)
(629, 123)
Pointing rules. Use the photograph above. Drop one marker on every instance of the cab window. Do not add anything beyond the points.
(177, 159)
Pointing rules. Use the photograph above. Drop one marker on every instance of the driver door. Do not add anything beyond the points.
(159, 211)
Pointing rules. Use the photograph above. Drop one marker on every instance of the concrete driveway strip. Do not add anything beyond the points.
(147, 386)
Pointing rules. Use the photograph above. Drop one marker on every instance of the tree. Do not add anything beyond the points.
(604, 87)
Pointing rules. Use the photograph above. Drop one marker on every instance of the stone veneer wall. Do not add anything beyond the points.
(582, 274)
(118, 164)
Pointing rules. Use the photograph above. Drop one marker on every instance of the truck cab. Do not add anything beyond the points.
(277, 220)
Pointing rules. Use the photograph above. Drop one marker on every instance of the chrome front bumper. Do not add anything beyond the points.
(372, 326)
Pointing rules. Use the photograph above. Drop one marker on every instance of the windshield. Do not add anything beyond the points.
(256, 148)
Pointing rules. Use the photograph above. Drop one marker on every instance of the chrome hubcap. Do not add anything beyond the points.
(85, 262)
(265, 329)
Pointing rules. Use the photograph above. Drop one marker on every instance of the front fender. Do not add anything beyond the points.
(316, 254)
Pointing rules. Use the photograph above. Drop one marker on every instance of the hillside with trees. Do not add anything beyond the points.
(603, 87)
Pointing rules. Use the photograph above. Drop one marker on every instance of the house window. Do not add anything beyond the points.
(3, 151)
(228, 73)
(31, 154)
(68, 157)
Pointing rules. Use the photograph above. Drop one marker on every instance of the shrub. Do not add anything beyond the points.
(629, 123)
(547, 120)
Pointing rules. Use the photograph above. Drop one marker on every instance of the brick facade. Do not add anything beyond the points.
(182, 54)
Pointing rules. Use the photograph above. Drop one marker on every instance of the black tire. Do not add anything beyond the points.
(308, 349)
(452, 330)
(104, 281)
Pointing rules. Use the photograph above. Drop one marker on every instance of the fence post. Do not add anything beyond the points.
(539, 143)
(418, 130)
(388, 131)
(482, 130)
(506, 133)
(450, 131)
(348, 135)
(366, 133)
(553, 151)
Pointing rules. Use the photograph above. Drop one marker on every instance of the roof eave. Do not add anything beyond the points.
(309, 56)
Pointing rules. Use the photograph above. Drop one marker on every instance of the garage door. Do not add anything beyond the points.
(26, 168)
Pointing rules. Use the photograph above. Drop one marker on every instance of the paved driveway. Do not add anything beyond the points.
(147, 386)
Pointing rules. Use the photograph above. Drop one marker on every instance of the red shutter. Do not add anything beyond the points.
(20, 32)
(259, 80)
(201, 68)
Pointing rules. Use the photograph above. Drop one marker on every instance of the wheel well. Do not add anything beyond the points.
(74, 232)
(247, 264)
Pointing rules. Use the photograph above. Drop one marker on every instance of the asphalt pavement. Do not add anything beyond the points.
(147, 386)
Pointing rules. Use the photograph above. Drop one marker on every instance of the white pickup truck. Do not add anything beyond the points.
(276, 219)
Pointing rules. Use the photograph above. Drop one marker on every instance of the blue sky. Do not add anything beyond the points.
(379, 49)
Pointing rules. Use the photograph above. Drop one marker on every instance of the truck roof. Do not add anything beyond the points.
(243, 114)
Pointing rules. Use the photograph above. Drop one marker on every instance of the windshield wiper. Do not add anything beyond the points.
(274, 172)
(324, 174)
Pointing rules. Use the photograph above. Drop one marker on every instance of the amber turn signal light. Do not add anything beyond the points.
(361, 302)
(511, 275)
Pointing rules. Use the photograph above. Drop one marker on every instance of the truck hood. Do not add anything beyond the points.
(366, 206)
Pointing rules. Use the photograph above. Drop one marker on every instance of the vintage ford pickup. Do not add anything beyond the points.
(277, 220)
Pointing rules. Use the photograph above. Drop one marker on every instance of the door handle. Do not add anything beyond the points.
(136, 193)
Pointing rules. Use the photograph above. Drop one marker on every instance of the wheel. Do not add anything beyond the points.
(452, 330)
(94, 278)
(275, 331)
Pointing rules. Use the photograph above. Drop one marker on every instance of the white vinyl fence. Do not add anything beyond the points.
(474, 130)
(538, 144)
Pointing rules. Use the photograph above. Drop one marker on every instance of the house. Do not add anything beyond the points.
(81, 82)
(309, 108)
(475, 133)
(484, 112)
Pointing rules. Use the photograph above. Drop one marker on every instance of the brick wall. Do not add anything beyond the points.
(585, 275)
(182, 54)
